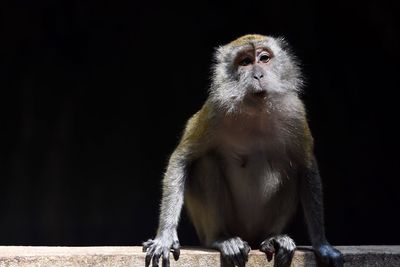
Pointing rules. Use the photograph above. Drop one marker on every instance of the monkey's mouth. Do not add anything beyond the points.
(260, 94)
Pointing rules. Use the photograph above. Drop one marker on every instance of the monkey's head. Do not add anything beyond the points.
(252, 70)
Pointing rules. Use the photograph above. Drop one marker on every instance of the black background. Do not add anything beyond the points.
(94, 96)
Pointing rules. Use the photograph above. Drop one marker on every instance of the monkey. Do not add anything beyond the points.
(245, 162)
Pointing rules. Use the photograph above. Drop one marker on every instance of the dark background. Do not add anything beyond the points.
(94, 97)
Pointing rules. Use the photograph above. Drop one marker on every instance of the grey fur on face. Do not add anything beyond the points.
(229, 87)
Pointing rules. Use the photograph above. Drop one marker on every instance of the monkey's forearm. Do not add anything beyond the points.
(172, 198)
(312, 203)
(171, 206)
(192, 143)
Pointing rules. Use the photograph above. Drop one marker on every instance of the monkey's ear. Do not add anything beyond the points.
(283, 43)
(220, 54)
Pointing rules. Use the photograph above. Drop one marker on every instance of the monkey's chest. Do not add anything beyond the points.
(258, 176)
(253, 136)
(259, 170)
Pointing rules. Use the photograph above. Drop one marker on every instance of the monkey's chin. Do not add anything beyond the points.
(262, 94)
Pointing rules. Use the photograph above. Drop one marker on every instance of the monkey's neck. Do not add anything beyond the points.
(270, 116)
(284, 104)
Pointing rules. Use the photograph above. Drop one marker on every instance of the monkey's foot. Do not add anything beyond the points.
(234, 251)
(329, 256)
(282, 246)
(158, 247)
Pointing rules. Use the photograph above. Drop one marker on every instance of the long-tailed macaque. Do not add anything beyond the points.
(245, 161)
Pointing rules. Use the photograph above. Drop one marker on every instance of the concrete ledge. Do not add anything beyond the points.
(190, 257)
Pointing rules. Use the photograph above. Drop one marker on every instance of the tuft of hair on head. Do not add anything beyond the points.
(247, 39)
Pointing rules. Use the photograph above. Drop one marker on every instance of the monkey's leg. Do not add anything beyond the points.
(311, 200)
(210, 207)
(282, 246)
(234, 251)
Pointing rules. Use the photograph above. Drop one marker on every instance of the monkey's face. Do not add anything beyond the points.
(255, 68)
(252, 67)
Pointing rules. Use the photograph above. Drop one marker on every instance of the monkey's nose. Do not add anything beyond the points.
(258, 76)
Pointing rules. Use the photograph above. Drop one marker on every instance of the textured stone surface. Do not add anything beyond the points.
(190, 257)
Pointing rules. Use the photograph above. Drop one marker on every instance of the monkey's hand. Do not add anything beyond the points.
(329, 256)
(282, 246)
(234, 251)
(161, 246)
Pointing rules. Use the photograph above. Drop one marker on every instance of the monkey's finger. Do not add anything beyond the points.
(276, 244)
(268, 249)
(283, 257)
(242, 258)
(165, 262)
(232, 252)
(148, 259)
(266, 246)
(239, 259)
(156, 259)
(176, 250)
(337, 263)
(147, 244)
(245, 251)
(225, 262)
(226, 254)
(165, 258)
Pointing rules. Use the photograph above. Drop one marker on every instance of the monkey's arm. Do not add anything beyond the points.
(191, 146)
(311, 199)
(171, 205)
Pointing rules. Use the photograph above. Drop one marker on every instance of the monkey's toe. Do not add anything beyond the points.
(329, 256)
(147, 244)
(234, 251)
(282, 247)
(158, 249)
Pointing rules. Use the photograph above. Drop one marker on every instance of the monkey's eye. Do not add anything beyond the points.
(245, 61)
(265, 58)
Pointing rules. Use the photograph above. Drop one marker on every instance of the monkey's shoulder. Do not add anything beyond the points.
(196, 135)
(198, 125)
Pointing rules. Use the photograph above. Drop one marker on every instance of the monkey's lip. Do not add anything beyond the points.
(260, 94)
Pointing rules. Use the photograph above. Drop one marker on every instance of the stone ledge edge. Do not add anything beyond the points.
(24, 256)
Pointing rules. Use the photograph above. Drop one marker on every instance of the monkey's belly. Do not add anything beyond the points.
(265, 198)
(225, 199)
